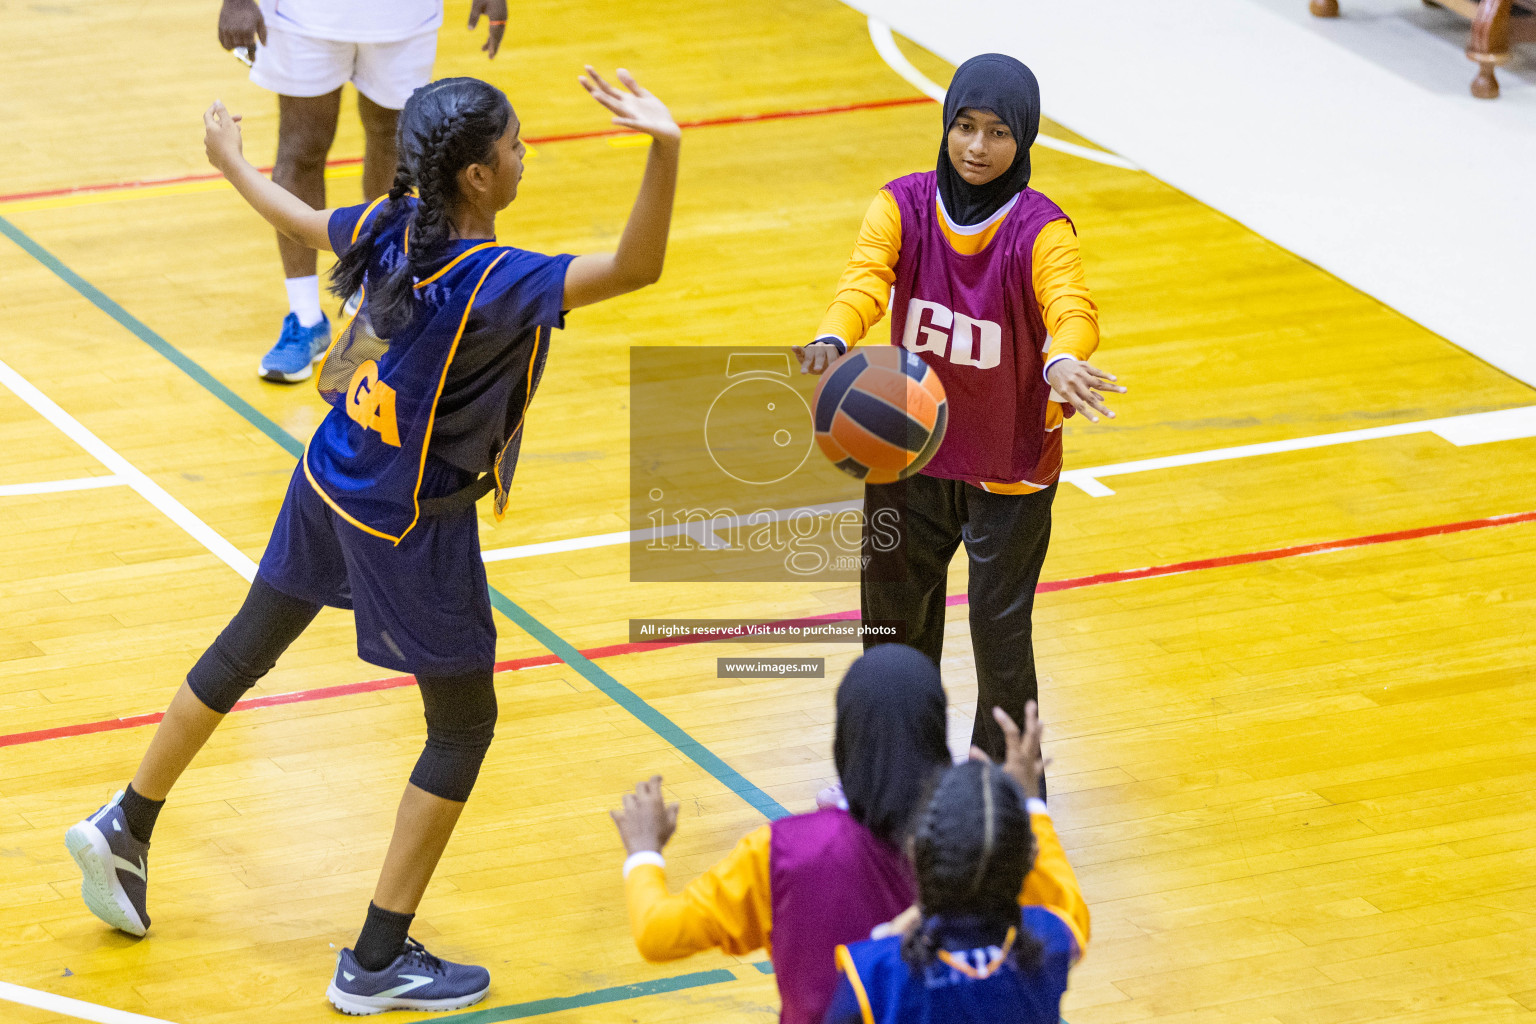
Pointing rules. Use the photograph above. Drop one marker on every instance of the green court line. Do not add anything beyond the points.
(616, 994)
(598, 677)
(137, 327)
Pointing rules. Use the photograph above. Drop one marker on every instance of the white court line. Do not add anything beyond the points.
(702, 530)
(84, 483)
(130, 474)
(885, 44)
(72, 1007)
(1472, 428)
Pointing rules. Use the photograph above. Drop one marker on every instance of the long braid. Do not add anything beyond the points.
(444, 127)
(972, 850)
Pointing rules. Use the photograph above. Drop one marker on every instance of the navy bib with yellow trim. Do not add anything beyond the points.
(367, 458)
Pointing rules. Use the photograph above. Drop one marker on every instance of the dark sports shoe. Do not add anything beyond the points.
(417, 980)
(114, 867)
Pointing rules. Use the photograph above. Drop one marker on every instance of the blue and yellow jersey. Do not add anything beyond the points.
(453, 384)
(972, 983)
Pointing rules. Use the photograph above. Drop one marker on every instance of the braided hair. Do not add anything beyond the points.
(445, 126)
(972, 849)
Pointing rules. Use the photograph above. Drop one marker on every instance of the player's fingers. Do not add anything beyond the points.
(493, 41)
(672, 810)
(1098, 372)
(601, 82)
(630, 83)
(1008, 725)
(261, 30)
(977, 754)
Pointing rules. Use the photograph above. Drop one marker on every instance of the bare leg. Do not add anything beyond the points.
(306, 127)
(379, 147)
(423, 826)
(180, 735)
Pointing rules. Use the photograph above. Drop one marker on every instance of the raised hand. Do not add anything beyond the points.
(636, 109)
(646, 821)
(495, 12)
(1022, 758)
(221, 137)
(1080, 383)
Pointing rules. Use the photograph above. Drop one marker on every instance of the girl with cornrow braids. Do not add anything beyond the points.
(430, 376)
(976, 950)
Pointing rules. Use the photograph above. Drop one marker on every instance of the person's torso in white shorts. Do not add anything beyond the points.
(385, 48)
(354, 21)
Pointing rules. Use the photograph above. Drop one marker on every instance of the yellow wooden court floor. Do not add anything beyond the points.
(1293, 765)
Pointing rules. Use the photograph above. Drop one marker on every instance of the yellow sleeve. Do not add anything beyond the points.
(726, 907)
(1068, 310)
(864, 290)
(1052, 883)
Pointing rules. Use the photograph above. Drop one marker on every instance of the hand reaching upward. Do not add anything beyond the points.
(637, 109)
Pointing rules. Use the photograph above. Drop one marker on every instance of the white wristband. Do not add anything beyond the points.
(1053, 361)
(634, 860)
(1034, 805)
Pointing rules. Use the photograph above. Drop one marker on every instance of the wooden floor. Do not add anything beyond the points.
(1297, 789)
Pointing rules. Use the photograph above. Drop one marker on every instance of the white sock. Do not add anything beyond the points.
(304, 299)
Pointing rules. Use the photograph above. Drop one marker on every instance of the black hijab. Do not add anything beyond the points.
(995, 82)
(889, 742)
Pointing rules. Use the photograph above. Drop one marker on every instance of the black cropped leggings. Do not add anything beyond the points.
(460, 709)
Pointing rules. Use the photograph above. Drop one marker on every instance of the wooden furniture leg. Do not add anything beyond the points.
(1489, 45)
(1324, 8)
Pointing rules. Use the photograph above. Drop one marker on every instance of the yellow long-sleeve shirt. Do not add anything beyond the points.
(864, 290)
(730, 906)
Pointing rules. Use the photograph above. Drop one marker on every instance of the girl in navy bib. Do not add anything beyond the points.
(988, 290)
(430, 378)
(974, 955)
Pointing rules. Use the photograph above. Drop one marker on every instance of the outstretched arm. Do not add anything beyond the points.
(643, 246)
(281, 208)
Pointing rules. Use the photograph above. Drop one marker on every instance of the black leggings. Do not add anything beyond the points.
(460, 709)
(1005, 537)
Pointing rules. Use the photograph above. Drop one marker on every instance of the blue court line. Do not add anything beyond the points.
(611, 687)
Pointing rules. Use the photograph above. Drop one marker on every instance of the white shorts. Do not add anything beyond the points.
(387, 73)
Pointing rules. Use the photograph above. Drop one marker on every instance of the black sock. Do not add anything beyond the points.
(141, 813)
(382, 938)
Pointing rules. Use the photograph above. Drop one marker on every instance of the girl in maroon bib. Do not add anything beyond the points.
(986, 286)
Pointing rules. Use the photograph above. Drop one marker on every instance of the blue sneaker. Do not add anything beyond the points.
(417, 980)
(114, 867)
(297, 350)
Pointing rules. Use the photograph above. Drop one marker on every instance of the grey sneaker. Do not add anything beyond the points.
(114, 867)
(416, 980)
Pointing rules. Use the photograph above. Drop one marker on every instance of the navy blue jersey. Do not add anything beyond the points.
(879, 987)
(454, 382)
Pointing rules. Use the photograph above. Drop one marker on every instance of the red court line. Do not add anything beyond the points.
(708, 122)
(615, 650)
